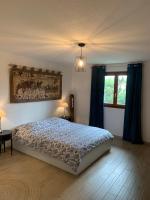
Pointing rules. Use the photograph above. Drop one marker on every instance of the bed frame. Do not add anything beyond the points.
(86, 161)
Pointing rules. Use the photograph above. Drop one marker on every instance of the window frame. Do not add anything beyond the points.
(116, 74)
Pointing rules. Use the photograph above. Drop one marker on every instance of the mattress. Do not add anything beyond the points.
(63, 141)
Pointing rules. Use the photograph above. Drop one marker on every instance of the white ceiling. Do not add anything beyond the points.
(115, 30)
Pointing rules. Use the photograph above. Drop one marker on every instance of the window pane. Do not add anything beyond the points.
(122, 80)
(109, 89)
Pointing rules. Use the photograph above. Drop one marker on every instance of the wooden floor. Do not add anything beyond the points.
(122, 174)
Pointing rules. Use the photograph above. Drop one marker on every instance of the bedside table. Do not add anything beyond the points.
(5, 136)
(66, 117)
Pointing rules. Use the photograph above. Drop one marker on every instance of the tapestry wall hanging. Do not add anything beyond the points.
(30, 84)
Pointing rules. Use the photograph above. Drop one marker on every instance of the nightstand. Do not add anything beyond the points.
(66, 117)
(5, 136)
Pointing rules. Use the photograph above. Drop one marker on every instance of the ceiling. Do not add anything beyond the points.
(115, 31)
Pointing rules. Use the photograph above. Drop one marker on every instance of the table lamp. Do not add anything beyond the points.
(65, 106)
(2, 114)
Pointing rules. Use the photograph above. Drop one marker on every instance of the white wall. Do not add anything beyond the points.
(113, 120)
(146, 101)
(81, 83)
(113, 117)
(17, 114)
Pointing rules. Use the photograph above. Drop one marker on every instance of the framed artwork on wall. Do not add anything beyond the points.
(32, 85)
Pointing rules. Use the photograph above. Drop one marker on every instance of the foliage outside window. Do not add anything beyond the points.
(115, 89)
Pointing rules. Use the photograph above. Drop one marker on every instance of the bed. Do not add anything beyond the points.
(66, 145)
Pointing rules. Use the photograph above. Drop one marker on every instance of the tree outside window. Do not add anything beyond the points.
(115, 89)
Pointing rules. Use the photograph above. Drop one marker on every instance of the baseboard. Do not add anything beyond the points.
(117, 137)
(147, 143)
(120, 138)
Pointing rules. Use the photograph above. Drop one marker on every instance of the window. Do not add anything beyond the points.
(115, 89)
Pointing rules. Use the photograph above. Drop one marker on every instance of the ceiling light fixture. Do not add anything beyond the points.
(80, 61)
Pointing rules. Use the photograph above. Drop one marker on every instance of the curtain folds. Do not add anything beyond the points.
(97, 97)
(132, 120)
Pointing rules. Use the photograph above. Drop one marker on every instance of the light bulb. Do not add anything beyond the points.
(80, 61)
(80, 64)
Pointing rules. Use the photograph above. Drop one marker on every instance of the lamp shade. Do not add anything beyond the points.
(65, 105)
(2, 113)
(80, 63)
